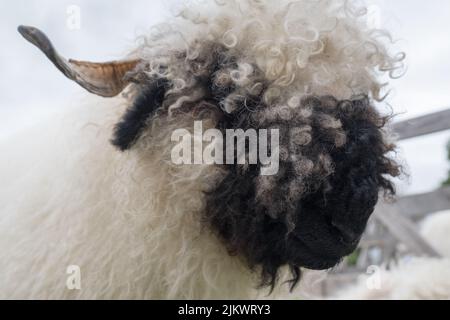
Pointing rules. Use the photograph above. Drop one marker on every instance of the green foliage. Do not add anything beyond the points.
(352, 259)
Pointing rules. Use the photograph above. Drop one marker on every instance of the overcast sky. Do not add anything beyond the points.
(29, 86)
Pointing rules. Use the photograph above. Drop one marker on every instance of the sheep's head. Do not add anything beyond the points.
(307, 69)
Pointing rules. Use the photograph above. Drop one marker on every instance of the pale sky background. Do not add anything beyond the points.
(30, 86)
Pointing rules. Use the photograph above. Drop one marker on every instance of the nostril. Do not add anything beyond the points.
(349, 238)
(347, 235)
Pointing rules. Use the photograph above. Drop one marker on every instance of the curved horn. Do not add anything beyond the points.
(104, 79)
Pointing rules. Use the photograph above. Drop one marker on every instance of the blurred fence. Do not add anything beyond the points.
(392, 232)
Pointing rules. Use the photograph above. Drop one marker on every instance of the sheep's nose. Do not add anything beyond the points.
(347, 235)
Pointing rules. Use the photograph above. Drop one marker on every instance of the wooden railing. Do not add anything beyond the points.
(417, 207)
(431, 123)
(399, 216)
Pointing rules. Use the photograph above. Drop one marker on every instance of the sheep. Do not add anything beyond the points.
(131, 224)
(415, 278)
(435, 230)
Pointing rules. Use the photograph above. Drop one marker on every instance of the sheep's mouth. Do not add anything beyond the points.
(315, 256)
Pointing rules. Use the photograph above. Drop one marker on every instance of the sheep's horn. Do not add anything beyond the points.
(104, 79)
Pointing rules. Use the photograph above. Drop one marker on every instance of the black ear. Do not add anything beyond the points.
(151, 98)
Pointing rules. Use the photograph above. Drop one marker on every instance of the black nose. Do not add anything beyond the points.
(347, 235)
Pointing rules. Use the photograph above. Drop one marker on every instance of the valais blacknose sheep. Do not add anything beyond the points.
(414, 278)
(132, 224)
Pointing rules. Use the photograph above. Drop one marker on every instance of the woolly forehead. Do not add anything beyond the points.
(302, 47)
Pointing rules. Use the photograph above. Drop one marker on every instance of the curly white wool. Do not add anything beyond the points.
(130, 221)
(435, 229)
(322, 47)
(418, 279)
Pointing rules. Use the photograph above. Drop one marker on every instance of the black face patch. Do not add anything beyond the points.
(149, 99)
(325, 223)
